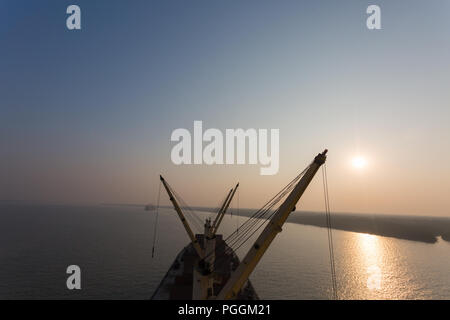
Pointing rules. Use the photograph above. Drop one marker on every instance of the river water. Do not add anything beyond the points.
(112, 246)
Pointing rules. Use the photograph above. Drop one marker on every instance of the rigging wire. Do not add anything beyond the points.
(246, 231)
(250, 231)
(256, 225)
(255, 218)
(198, 223)
(256, 221)
(260, 222)
(330, 232)
(237, 215)
(215, 211)
(156, 220)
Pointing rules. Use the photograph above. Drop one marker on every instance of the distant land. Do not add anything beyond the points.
(414, 228)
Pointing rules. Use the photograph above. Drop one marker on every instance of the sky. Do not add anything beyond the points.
(86, 115)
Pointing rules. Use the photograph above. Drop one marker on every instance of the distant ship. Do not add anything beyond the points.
(208, 267)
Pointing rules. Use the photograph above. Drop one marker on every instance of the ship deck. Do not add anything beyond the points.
(177, 284)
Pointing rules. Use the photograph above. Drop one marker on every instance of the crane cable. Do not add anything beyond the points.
(260, 217)
(256, 221)
(237, 214)
(156, 220)
(189, 212)
(330, 232)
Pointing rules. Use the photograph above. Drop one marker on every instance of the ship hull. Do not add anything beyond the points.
(177, 284)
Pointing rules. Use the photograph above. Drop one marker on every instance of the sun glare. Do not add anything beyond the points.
(359, 162)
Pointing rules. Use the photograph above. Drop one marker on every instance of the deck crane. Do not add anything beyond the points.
(221, 209)
(239, 277)
(206, 276)
(210, 230)
(209, 236)
(177, 208)
(203, 279)
(221, 214)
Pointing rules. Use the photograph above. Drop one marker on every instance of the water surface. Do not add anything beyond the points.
(112, 246)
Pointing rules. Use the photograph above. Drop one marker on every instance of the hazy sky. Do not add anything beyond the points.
(86, 116)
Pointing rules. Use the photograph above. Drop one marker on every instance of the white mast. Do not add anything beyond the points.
(204, 284)
(220, 217)
(221, 209)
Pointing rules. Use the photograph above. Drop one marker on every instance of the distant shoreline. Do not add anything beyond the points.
(413, 228)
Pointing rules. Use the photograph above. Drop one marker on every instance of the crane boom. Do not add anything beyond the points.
(254, 255)
(225, 209)
(221, 209)
(177, 208)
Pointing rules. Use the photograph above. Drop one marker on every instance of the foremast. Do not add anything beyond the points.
(222, 212)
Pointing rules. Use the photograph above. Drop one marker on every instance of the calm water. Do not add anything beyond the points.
(113, 246)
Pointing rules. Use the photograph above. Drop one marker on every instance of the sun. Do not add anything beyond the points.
(359, 162)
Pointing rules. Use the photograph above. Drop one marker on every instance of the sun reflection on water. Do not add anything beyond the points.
(379, 269)
(370, 251)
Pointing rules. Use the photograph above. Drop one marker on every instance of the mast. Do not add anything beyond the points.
(254, 255)
(183, 219)
(221, 208)
(215, 227)
(204, 283)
